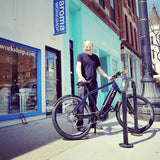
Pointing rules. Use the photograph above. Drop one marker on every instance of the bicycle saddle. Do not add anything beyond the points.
(83, 83)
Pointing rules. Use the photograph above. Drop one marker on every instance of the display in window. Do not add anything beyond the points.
(18, 76)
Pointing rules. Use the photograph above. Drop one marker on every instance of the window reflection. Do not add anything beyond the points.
(18, 87)
(51, 79)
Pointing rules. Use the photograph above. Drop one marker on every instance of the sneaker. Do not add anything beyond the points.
(80, 125)
(97, 126)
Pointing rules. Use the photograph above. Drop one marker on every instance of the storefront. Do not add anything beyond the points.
(20, 82)
(83, 25)
(132, 66)
(31, 58)
(36, 66)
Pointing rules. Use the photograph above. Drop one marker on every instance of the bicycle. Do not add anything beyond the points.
(66, 113)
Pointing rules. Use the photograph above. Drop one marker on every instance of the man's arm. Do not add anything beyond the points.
(102, 73)
(79, 72)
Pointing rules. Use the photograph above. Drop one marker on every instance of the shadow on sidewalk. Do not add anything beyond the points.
(19, 139)
(109, 128)
(153, 134)
(113, 128)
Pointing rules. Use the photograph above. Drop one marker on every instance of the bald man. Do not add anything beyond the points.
(86, 67)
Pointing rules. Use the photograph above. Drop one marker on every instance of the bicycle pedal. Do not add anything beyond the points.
(112, 109)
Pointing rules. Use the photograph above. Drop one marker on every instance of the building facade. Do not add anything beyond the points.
(37, 65)
(130, 43)
(30, 60)
(154, 29)
(121, 17)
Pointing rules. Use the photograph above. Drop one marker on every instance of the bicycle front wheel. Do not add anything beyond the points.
(66, 118)
(145, 114)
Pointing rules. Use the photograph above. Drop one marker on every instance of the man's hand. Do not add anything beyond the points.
(109, 78)
(81, 79)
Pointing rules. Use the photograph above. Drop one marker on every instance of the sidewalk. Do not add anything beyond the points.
(100, 146)
(105, 145)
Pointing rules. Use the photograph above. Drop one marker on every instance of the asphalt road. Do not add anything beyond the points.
(33, 140)
(19, 139)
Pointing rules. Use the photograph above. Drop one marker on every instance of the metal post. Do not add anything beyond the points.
(125, 143)
(149, 90)
(135, 107)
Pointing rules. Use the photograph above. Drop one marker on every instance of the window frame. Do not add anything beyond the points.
(113, 17)
(38, 65)
(102, 3)
(126, 27)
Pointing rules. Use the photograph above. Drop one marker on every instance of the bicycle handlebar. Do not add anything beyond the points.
(116, 75)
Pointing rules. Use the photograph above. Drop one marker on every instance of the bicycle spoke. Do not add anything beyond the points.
(71, 123)
(145, 114)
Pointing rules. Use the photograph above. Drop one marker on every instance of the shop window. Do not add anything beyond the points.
(135, 36)
(126, 25)
(133, 7)
(112, 10)
(103, 61)
(131, 67)
(18, 78)
(114, 66)
(131, 30)
(101, 2)
(129, 3)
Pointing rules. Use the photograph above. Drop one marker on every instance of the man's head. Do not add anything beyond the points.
(88, 46)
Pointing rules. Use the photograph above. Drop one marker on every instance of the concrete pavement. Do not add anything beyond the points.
(36, 141)
(105, 145)
(20, 139)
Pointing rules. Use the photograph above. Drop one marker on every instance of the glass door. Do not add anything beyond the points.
(72, 67)
(52, 78)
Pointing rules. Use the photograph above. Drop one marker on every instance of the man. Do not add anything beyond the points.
(86, 67)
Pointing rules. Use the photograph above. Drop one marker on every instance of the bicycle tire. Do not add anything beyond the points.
(145, 114)
(65, 120)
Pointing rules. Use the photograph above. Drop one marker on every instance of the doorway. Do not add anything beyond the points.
(53, 77)
(72, 67)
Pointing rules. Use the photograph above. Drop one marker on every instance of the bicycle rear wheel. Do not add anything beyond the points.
(65, 119)
(145, 114)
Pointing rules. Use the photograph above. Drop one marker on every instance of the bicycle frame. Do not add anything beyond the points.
(73, 117)
(109, 98)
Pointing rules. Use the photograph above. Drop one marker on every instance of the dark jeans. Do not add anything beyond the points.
(81, 92)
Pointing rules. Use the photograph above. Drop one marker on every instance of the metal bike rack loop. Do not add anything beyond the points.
(125, 83)
(135, 108)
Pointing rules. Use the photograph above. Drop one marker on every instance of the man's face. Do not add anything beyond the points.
(88, 48)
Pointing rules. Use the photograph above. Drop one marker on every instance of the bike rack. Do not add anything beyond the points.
(125, 83)
(23, 119)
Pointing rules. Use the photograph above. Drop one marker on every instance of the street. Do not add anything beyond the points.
(38, 140)
(19, 139)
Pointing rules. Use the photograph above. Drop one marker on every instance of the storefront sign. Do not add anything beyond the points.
(15, 49)
(59, 17)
